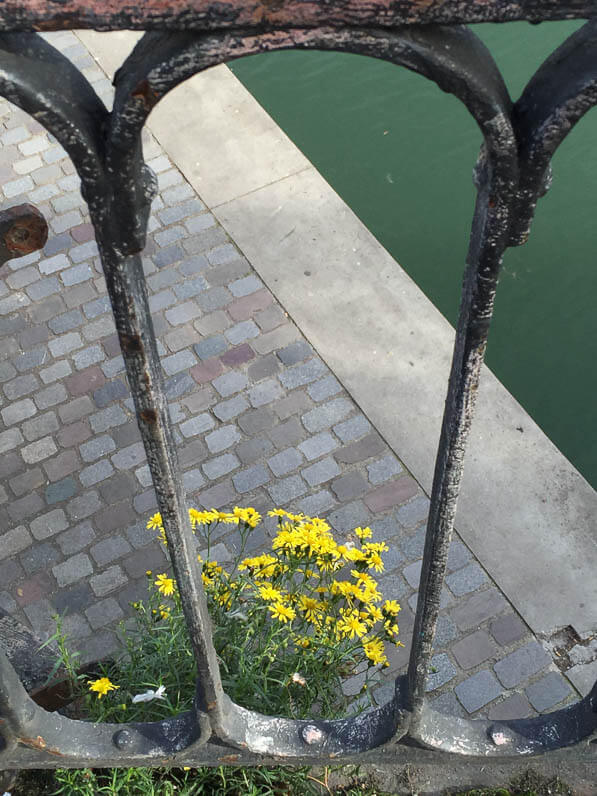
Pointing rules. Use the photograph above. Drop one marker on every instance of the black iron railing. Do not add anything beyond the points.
(513, 171)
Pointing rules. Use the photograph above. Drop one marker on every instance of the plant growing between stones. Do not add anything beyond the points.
(288, 626)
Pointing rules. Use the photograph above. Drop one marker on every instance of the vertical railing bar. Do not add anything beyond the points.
(128, 295)
(497, 182)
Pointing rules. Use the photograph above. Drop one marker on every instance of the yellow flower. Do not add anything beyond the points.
(281, 612)
(312, 608)
(165, 584)
(155, 521)
(277, 513)
(249, 516)
(391, 607)
(164, 611)
(374, 614)
(102, 686)
(354, 554)
(374, 562)
(376, 547)
(269, 593)
(363, 533)
(351, 625)
(374, 650)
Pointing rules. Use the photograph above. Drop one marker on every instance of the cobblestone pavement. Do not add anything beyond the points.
(259, 419)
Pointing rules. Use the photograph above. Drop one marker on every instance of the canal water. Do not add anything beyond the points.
(401, 154)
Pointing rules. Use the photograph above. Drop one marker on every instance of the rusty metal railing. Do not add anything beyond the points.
(185, 37)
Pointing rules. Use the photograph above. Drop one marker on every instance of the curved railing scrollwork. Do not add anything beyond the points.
(511, 175)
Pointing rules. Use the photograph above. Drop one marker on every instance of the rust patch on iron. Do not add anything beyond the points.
(131, 343)
(29, 231)
(144, 92)
(149, 415)
(39, 743)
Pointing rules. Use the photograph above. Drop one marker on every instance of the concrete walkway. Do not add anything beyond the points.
(261, 419)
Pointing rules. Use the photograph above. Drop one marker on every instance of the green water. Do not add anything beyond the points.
(401, 153)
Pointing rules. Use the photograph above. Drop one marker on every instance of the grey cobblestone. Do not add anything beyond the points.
(76, 539)
(183, 360)
(383, 469)
(288, 433)
(324, 388)
(50, 396)
(285, 462)
(352, 429)
(88, 356)
(233, 407)
(221, 465)
(522, 663)
(40, 426)
(466, 580)
(96, 472)
(190, 288)
(129, 457)
(474, 649)
(111, 391)
(317, 504)
(183, 313)
(441, 671)
(349, 486)
(65, 344)
(22, 385)
(287, 489)
(13, 541)
(547, 692)
(10, 439)
(66, 321)
(303, 374)
(84, 505)
(31, 359)
(320, 472)
(265, 392)
(108, 418)
(18, 411)
(245, 286)
(230, 383)
(39, 557)
(327, 414)
(478, 690)
(108, 550)
(413, 513)
(97, 447)
(197, 425)
(73, 569)
(245, 330)
(211, 346)
(107, 581)
(39, 450)
(61, 490)
(251, 478)
(103, 613)
(222, 438)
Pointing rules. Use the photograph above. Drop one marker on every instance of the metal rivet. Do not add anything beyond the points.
(123, 739)
(311, 734)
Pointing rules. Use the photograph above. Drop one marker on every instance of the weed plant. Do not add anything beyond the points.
(288, 626)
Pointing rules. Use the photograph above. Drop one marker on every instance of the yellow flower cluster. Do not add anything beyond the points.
(249, 517)
(321, 592)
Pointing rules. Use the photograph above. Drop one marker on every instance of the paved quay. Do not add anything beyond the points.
(259, 418)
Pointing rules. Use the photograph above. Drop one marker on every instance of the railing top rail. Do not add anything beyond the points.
(49, 15)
